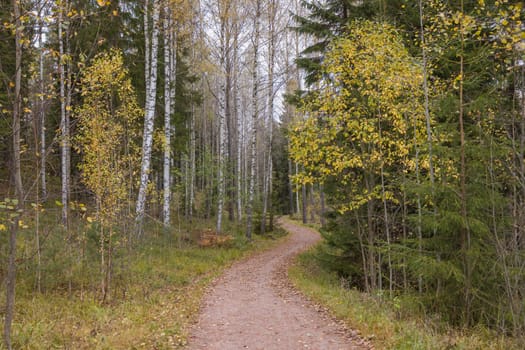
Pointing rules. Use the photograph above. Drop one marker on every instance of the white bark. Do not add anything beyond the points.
(223, 107)
(222, 152)
(297, 187)
(192, 163)
(149, 113)
(271, 66)
(299, 87)
(147, 45)
(192, 142)
(237, 114)
(64, 130)
(42, 113)
(169, 66)
(255, 117)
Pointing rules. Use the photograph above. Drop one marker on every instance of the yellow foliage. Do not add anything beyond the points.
(108, 132)
(103, 3)
(359, 122)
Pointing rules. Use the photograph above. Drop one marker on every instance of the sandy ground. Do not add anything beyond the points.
(252, 306)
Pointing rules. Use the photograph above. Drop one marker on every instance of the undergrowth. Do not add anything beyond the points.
(156, 292)
(387, 323)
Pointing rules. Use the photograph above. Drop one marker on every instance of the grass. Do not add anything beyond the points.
(155, 299)
(389, 324)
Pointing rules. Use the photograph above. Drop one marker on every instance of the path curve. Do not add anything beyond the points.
(249, 306)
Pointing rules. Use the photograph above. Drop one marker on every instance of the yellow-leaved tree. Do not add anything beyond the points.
(109, 128)
(361, 128)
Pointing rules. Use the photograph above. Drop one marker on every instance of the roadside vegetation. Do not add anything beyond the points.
(389, 323)
(156, 290)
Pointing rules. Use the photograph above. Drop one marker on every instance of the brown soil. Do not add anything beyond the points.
(252, 306)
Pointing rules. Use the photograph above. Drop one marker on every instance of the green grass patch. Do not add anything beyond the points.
(389, 324)
(156, 293)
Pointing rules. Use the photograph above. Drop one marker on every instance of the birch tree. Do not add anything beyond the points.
(62, 7)
(16, 99)
(255, 119)
(107, 133)
(268, 170)
(151, 51)
(222, 145)
(226, 17)
(41, 103)
(170, 52)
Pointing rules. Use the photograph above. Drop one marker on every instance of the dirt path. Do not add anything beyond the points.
(252, 306)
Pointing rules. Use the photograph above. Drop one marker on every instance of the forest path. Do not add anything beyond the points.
(251, 306)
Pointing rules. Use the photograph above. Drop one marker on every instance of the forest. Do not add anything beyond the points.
(139, 138)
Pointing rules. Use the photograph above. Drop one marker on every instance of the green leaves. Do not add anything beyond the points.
(8, 212)
(359, 121)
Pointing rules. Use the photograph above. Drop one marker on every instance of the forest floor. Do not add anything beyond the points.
(253, 306)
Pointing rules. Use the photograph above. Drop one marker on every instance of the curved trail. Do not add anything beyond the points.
(252, 307)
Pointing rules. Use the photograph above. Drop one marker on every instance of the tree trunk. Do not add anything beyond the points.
(290, 188)
(64, 130)
(323, 209)
(149, 110)
(385, 212)
(267, 194)
(465, 232)
(192, 162)
(305, 205)
(297, 186)
(17, 177)
(238, 118)
(255, 117)
(312, 203)
(419, 209)
(169, 65)
(42, 113)
(222, 133)
(370, 211)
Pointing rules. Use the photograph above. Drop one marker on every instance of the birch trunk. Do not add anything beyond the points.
(147, 46)
(222, 132)
(239, 133)
(255, 117)
(192, 163)
(298, 78)
(17, 177)
(323, 209)
(385, 213)
(238, 160)
(228, 134)
(149, 112)
(42, 111)
(297, 187)
(64, 130)
(312, 203)
(271, 66)
(222, 151)
(168, 102)
(304, 202)
(419, 209)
